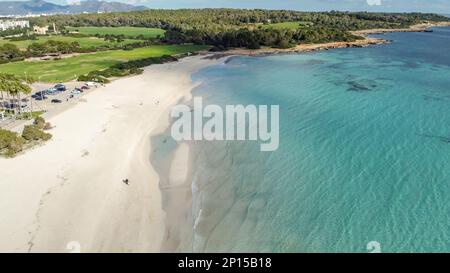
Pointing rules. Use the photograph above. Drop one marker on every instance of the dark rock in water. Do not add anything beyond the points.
(335, 66)
(314, 62)
(441, 138)
(411, 64)
(431, 98)
(228, 60)
(358, 87)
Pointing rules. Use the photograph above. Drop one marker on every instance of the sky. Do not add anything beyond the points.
(437, 6)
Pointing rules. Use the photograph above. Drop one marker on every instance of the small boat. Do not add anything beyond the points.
(429, 30)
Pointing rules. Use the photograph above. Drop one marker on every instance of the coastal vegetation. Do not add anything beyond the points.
(125, 69)
(12, 143)
(35, 131)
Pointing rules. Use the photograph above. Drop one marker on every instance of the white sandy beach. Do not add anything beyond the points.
(71, 189)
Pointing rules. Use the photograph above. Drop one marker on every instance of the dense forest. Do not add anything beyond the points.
(245, 28)
(222, 19)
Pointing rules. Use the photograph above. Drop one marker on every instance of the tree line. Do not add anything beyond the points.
(11, 53)
(16, 31)
(237, 27)
(222, 19)
(255, 38)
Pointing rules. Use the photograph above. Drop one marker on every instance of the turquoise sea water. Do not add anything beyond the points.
(364, 152)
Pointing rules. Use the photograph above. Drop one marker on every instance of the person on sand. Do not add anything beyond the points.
(126, 181)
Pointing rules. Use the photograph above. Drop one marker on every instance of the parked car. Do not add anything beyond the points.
(38, 94)
(45, 92)
(41, 98)
(91, 84)
(75, 92)
(60, 87)
(51, 91)
(8, 105)
(56, 101)
(84, 87)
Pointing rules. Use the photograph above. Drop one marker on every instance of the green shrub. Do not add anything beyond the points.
(47, 126)
(145, 62)
(34, 133)
(93, 78)
(39, 122)
(124, 69)
(10, 143)
(284, 44)
(22, 38)
(136, 71)
(76, 35)
(218, 48)
(110, 72)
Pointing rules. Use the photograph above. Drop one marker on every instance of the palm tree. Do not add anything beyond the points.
(27, 81)
(15, 86)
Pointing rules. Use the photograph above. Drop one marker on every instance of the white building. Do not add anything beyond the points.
(7, 24)
(40, 30)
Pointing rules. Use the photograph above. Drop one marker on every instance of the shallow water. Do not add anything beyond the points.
(364, 152)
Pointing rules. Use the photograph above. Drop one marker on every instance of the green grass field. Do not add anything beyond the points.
(127, 31)
(85, 42)
(70, 68)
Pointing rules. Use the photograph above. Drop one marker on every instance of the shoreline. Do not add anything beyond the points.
(415, 28)
(178, 191)
(71, 189)
(365, 41)
(301, 48)
(175, 173)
